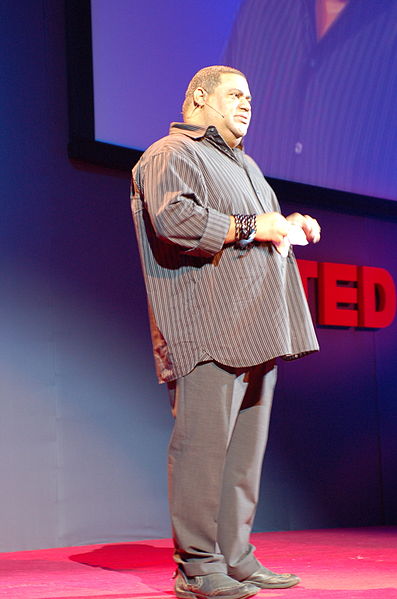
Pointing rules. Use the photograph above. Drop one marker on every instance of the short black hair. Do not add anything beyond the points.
(207, 78)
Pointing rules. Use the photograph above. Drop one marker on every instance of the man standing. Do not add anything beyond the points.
(225, 299)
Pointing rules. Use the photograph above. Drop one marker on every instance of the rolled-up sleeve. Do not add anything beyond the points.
(176, 199)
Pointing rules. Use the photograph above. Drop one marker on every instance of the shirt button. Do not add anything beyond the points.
(298, 147)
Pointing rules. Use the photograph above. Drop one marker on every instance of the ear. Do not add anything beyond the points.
(199, 96)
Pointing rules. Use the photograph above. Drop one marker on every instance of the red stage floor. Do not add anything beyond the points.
(337, 564)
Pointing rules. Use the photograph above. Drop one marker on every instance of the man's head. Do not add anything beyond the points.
(220, 96)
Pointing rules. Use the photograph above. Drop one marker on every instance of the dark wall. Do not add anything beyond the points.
(84, 425)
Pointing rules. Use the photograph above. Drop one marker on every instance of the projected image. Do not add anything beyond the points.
(144, 55)
(323, 75)
(324, 80)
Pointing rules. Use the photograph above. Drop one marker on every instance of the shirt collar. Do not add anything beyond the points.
(210, 133)
(193, 131)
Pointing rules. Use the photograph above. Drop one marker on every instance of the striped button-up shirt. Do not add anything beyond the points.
(207, 300)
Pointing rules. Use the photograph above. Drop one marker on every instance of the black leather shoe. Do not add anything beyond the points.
(266, 579)
(216, 585)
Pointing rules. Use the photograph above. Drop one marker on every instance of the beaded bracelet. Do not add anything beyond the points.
(245, 230)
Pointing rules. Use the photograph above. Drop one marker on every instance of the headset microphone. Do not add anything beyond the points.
(217, 111)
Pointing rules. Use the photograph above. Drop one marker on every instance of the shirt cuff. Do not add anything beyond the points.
(213, 239)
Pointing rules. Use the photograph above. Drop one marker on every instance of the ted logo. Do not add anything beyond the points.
(351, 296)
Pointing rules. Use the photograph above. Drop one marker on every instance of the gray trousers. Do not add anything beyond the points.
(214, 465)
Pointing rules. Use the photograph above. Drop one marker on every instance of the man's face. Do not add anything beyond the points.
(232, 99)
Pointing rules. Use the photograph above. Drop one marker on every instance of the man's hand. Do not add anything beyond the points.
(271, 226)
(309, 225)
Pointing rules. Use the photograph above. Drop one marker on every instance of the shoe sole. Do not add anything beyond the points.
(274, 585)
(191, 595)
